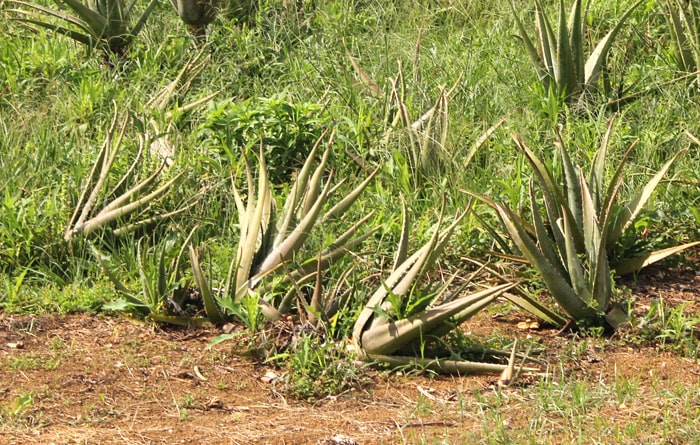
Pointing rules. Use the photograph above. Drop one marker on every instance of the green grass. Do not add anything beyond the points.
(57, 101)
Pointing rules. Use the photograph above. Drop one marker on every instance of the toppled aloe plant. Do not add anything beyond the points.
(396, 322)
(569, 241)
(268, 240)
(125, 198)
(102, 24)
(558, 57)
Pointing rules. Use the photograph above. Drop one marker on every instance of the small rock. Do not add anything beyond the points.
(338, 439)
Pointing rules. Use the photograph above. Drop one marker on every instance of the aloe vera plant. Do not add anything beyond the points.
(103, 24)
(268, 240)
(558, 57)
(684, 23)
(164, 288)
(126, 197)
(569, 240)
(395, 323)
(428, 150)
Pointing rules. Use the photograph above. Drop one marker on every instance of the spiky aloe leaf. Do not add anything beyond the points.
(576, 273)
(565, 69)
(402, 250)
(141, 22)
(627, 214)
(548, 249)
(388, 338)
(634, 264)
(573, 187)
(297, 236)
(404, 276)
(599, 280)
(596, 60)
(99, 23)
(554, 199)
(547, 41)
(532, 52)
(210, 305)
(296, 194)
(131, 299)
(596, 177)
(252, 221)
(344, 204)
(444, 366)
(105, 217)
(557, 284)
(576, 37)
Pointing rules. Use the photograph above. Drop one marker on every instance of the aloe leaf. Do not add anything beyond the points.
(104, 218)
(129, 194)
(574, 265)
(85, 201)
(131, 227)
(547, 42)
(338, 248)
(573, 187)
(210, 305)
(600, 281)
(634, 264)
(607, 215)
(409, 269)
(96, 179)
(576, 37)
(533, 306)
(402, 250)
(459, 367)
(256, 212)
(146, 285)
(391, 337)
(483, 138)
(591, 227)
(98, 24)
(297, 191)
(313, 187)
(78, 37)
(547, 248)
(678, 35)
(565, 70)
(596, 179)
(339, 209)
(144, 16)
(423, 261)
(162, 279)
(111, 275)
(52, 12)
(556, 283)
(554, 199)
(296, 238)
(535, 58)
(624, 218)
(362, 74)
(595, 61)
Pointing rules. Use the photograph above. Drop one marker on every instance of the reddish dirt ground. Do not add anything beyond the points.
(112, 380)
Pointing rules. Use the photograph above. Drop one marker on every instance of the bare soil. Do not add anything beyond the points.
(96, 379)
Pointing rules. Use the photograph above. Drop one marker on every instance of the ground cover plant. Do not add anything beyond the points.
(192, 202)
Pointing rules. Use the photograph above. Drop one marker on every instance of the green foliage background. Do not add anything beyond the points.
(286, 71)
